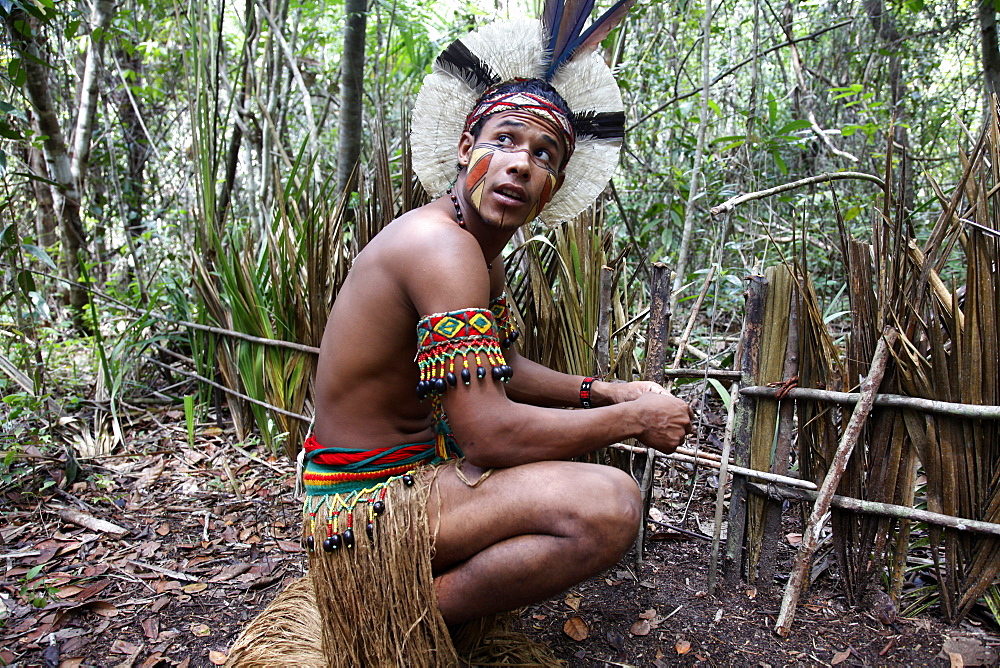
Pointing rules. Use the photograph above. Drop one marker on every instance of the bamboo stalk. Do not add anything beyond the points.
(604, 323)
(852, 432)
(877, 508)
(974, 411)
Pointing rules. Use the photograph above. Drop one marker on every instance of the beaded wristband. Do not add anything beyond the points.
(585, 392)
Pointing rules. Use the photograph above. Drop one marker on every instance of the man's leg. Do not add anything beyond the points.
(526, 533)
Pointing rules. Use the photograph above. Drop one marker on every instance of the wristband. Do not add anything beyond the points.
(585, 392)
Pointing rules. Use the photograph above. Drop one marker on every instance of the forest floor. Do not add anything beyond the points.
(157, 556)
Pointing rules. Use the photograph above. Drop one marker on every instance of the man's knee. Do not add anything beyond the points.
(609, 517)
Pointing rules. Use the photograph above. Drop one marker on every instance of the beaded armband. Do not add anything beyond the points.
(447, 340)
(501, 313)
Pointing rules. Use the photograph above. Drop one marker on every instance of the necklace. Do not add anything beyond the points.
(461, 218)
(458, 209)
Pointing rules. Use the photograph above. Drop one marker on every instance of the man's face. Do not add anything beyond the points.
(514, 167)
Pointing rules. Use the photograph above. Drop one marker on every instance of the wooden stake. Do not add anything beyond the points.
(656, 359)
(852, 432)
(743, 426)
(783, 443)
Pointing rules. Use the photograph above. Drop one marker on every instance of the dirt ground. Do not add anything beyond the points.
(158, 557)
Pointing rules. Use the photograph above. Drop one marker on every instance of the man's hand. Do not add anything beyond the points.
(665, 420)
(608, 394)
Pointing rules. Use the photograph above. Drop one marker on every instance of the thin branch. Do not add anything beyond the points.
(974, 411)
(732, 203)
(722, 75)
(191, 374)
(877, 508)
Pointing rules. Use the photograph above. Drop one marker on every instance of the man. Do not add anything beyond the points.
(418, 367)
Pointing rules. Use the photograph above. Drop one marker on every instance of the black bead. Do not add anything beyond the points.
(408, 480)
(378, 507)
(466, 376)
(439, 385)
(348, 538)
(509, 372)
(370, 530)
(331, 543)
(513, 336)
(452, 379)
(497, 373)
(310, 543)
(480, 372)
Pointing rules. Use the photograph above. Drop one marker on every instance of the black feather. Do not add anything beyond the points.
(600, 125)
(458, 61)
(597, 31)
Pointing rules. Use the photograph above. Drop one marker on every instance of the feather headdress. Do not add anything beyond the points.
(556, 49)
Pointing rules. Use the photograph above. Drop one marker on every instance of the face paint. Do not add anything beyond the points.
(546, 196)
(479, 164)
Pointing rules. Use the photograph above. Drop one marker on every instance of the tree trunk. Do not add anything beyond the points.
(991, 50)
(99, 22)
(888, 34)
(130, 112)
(65, 194)
(45, 214)
(351, 94)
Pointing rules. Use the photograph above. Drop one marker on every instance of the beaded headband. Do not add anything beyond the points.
(555, 49)
(493, 102)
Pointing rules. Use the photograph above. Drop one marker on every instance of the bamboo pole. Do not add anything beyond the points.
(973, 411)
(852, 432)
(656, 358)
(876, 508)
(691, 320)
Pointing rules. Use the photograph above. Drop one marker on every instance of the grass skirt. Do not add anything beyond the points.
(374, 604)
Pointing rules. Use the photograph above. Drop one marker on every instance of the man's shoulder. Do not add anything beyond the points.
(425, 234)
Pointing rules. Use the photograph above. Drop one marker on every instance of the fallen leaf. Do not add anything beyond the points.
(90, 522)
(152, 660)
(289, 546)
(794, 538)
(573, 601)
(616, 639)
(216, 657)
(956, 660)
(840, 657)
(752, 592)
(151, 627)
(576, 629)
(649, 614)
(104, 608)
(640, 628)
(123, 647)
(682, 647)
(194, 587)
(656, 514)
(539, 617)
(201, 630)
(75, 662)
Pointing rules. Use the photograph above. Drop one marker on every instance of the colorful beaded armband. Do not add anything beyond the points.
(501, 313)
(443, 338)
